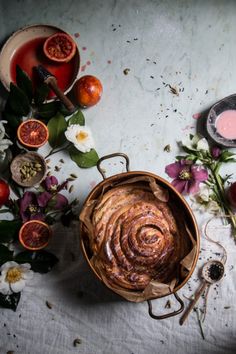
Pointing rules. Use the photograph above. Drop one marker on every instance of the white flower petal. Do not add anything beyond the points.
(27, 275)
(8, 265)
(202, 144)
(81, 137)
(17, 286)
(5, 288)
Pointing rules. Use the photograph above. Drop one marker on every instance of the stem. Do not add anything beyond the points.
(54, 151)
(222, 197)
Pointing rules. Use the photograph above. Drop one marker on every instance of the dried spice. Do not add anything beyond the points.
(28, 170)
(168, 304)
(76, 342)
(167, 148)
(73, 175)
(48, 304)
(174, 90)
(71, 189)
(126, 71)
(215, 271)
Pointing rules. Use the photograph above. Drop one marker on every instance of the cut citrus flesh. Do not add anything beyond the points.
(32, 133)
(59, 47)
(34, 235)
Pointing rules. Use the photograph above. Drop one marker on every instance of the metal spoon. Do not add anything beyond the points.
(212, 272)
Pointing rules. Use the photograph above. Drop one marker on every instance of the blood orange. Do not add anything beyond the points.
(59, 47)
(32, 133)
(88, 91)
(35, 235)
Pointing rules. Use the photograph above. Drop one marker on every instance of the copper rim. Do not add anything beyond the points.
(97, 190)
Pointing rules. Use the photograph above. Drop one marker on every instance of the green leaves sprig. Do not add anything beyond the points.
(57, 126)
(215, 181)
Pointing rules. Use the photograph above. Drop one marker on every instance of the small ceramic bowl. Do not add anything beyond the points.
(226, 103)
(30, 160)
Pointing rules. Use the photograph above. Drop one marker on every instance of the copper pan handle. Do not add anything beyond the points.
(106, 157)
(171, 314)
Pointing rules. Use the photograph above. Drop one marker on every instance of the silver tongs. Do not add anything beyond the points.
(51, 81)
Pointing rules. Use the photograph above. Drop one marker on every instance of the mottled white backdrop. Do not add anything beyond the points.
(188, 44)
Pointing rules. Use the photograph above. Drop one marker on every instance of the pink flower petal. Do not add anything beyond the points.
(180, 185)
(196, 115)
(193, 187)
(44, 198)
(199, 173)
(173, 170)
(60, 201)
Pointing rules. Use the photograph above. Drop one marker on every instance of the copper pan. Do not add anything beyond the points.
(191, 221)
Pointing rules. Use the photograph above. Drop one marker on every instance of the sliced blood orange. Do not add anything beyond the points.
(59, 47)
(32, 133)
(34, 235)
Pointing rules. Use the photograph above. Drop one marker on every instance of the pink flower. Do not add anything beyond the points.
(187, 176)
(29, 207)
(216, 152)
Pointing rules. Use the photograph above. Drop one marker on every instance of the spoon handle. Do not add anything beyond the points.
(193, 303)
(52, 82)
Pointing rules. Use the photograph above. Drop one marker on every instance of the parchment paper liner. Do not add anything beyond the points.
(154, 289)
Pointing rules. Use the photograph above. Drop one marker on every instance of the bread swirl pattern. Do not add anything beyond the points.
(136, 238)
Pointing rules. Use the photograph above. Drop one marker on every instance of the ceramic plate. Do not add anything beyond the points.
(25, 48)
(221, 106)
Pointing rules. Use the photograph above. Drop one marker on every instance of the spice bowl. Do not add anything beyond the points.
(227, 103)
(28, 169)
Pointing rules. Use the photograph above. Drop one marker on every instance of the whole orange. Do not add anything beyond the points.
(88, 91)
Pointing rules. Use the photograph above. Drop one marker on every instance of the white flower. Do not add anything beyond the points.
(80, 136)
(13, 277)
(203, 200)
(195, 143)
(4, 143)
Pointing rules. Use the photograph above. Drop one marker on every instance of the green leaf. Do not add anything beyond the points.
(9, 230)
(24, 82)
(226, 155)
(48, 110)
(5, 254)
(77, 118)
(41, 261)
(84, 159)
(13, 119)
(57, 127)
(18, 101)
(10, 301)
(41, 93)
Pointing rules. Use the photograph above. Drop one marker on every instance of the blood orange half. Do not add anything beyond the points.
(34, 235)
(32, 133)
(59, 47)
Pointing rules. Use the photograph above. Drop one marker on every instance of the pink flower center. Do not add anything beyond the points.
(185, 175)
(32, 209)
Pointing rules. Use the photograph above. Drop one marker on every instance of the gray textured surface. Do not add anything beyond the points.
(193, 46)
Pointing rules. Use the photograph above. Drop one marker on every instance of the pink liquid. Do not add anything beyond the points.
(31, 54)
(226, 124)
